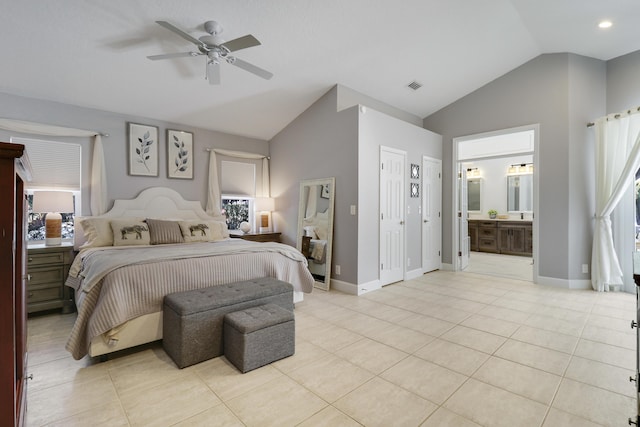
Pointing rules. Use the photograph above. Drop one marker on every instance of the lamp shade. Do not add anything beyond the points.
(265, 204)
(52, 201)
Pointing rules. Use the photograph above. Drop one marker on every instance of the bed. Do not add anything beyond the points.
(147, 247)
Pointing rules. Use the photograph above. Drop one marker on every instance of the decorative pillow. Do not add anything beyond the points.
(201, 230)
(127, 232)
(97, 231)
(161, 232)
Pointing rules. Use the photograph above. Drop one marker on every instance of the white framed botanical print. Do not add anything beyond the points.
(143, 150)
(179, 154)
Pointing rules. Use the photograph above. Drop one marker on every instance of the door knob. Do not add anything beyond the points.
(425, 220)
(401, 222)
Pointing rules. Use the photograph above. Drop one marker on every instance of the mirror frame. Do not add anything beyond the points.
(331, 182)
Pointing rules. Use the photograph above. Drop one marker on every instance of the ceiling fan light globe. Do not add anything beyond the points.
(212, 27)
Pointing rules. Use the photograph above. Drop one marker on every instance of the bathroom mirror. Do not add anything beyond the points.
(315, 227)
(520, 193)
(473, 194)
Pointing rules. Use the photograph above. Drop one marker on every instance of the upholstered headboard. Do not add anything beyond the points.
(154, 202)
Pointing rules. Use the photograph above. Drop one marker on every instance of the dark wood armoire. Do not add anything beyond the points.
(14, 172)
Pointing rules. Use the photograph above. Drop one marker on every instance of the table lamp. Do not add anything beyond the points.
(264, 205)
(52, 203)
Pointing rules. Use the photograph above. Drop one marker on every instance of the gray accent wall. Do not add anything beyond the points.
(120, 184)
(321, 142)
(324, 142)
(561, 93)
(623, 82)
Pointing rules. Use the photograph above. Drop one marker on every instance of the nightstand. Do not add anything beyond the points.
(259, 237)
(47, 270)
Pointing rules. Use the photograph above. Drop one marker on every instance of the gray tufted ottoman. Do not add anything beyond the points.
(192, 321)
(257, 336)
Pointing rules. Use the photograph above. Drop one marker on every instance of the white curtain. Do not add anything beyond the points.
(98, 171)
(617, 160)
(213, 192)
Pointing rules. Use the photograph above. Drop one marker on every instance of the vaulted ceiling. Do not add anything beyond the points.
(93, 53)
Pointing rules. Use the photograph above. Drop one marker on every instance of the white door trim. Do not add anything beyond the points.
(536, 184)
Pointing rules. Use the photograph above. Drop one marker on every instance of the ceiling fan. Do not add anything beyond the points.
(216, 50)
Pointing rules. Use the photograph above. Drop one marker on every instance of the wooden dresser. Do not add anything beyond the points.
(14, 171)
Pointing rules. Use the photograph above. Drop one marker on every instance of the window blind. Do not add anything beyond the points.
(55, 165)
(238, 178)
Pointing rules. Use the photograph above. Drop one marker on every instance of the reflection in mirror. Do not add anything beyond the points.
(473, 194)
(315, 227)
(520, 193)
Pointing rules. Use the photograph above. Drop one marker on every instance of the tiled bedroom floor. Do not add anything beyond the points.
(446, 349)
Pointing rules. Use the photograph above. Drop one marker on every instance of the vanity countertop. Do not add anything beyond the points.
(502, 219)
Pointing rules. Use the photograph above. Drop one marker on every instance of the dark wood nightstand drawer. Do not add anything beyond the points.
(38, 276)
(47, 258)
(44, 294)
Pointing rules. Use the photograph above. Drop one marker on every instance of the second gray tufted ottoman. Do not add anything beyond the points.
(192, 321)
(257, 336)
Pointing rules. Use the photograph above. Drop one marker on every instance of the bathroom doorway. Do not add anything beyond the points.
(496, 177)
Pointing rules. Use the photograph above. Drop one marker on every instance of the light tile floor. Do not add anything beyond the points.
(446, 349)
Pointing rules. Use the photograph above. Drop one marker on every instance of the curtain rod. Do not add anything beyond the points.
(616, 116)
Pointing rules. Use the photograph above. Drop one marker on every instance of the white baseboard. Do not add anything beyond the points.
(564, 283)
(413, 274)
(353, 289)
(447, 267)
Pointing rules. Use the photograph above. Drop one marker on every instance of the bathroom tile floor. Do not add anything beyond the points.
(445, 349)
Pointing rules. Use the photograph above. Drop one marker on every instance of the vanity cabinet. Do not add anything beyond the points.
(473, 236)
(503, 237)
(515, 238)
(487, 236)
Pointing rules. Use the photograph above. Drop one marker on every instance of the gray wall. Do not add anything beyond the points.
(537, 92)
(120, 184)
(378, 129)
(324, 142)
(319, 143)
(623, 82)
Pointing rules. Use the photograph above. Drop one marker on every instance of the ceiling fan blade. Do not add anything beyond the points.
(172, 55)
(241, 43)
(252, 69)
(213, 73)
(181, 33)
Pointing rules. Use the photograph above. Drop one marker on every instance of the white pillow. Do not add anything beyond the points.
(127, 232)
(97, 231)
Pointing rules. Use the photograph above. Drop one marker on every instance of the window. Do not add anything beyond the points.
(238, 188)
(55, 166)
(237, 210)
(35, 225)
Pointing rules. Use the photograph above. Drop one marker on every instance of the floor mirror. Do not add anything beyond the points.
(315, 227)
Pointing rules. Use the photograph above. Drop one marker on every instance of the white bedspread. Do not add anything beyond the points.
(128, 285)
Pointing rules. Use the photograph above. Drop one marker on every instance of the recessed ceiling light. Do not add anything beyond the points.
(605, 24)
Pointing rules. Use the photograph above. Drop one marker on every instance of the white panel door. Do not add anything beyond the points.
(463, 222)
(431, 214)
(392, 192)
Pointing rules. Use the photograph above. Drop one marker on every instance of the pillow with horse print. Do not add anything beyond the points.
(127, 232)
(200, 230)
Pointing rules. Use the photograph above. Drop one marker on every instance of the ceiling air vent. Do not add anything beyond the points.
(414, 85)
